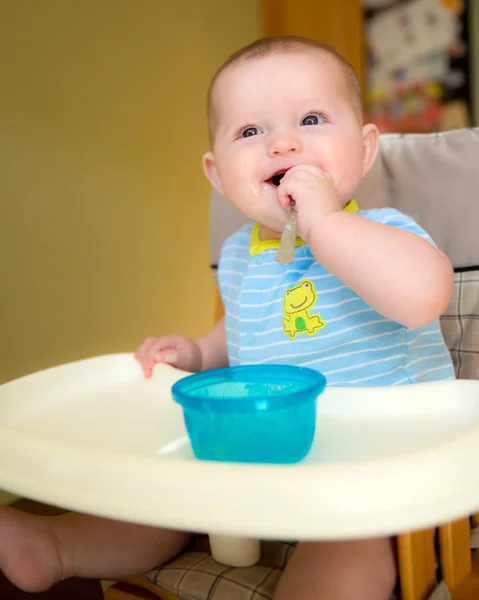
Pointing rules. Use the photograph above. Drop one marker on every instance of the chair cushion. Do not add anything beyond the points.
(434, 179)
(460, 325)
(194, 575)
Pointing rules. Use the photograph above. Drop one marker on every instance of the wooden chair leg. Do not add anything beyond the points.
(469, 588)
(417, 564)
(455, 552)
(136, 588)
(124, 591)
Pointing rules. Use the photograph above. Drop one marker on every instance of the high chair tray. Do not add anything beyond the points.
(95, 436)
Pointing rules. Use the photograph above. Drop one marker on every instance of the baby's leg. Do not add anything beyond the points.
(36, 552)
(353, 570)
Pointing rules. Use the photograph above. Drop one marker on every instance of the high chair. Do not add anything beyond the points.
(435, 179)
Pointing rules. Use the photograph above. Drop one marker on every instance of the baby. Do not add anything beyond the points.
(360, 302)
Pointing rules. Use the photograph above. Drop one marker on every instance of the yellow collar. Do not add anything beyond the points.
(257, 245)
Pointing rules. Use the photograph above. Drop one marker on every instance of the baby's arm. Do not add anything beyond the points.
(396, 272)
(213, 347)
(207, 352)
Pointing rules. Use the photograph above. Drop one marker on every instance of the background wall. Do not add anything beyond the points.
(103, 203)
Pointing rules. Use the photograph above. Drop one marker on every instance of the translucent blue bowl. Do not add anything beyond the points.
(254, 414)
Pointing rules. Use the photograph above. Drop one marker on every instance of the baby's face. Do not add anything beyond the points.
(276, 112)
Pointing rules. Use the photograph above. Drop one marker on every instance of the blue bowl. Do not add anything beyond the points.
(253, 414)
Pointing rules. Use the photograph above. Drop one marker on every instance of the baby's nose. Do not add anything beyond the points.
(284, 143)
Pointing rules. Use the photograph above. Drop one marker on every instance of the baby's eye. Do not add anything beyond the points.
(312, 120)
(250, 131)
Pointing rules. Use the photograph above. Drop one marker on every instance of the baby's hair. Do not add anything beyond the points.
(270, 45)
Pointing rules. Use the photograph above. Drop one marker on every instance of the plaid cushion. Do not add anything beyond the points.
(194, 575)
(460, 325)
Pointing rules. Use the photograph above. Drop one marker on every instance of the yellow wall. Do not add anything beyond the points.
(103, 203)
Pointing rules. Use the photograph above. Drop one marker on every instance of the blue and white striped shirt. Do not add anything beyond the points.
(300, 314)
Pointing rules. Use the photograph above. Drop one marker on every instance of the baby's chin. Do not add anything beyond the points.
(267, 233)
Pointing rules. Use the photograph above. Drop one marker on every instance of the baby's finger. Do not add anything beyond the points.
(284, 196)
(168, 356)
(144, 351)
(164, 350)
(306, 169)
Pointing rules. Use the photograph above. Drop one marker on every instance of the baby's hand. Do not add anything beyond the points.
(314, 193)
(177, 350)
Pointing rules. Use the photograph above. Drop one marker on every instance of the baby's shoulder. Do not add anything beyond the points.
(240, 238)
(396, 218)
(237, 244)
(386, 215)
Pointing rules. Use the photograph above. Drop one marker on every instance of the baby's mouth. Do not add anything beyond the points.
(276, 178)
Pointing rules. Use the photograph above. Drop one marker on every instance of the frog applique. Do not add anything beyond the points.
(297, 301)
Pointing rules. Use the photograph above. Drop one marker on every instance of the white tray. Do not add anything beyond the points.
(95, 436)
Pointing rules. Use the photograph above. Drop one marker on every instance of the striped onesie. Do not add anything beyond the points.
(300, 314)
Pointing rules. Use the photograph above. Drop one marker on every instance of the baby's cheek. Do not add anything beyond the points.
(348, 181)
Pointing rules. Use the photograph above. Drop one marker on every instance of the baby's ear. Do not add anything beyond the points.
(370, 146)
(211, 172)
